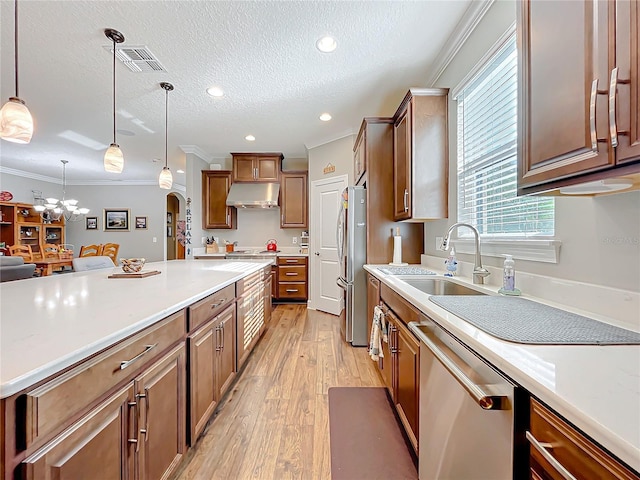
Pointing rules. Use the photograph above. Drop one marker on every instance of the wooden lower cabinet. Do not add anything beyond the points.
(161, 403)
(555, 445)
(407, 351)
(373, 299)
(212, 360)
(99, 442)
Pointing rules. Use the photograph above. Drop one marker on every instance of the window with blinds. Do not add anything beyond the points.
(487, 155)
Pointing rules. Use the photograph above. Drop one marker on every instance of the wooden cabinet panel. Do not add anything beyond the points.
(215, 213)
(161, 394)
(53, 402)
(575, 452)
(421, 156)
(373, 299)
(282, 260)
(226, 352)
(250, 321)
(97, 443)
(359, 157)
(256, 167)
(297, 290)
(292, 278)
(388, 364)
(210, 306)
(202, 352)
(293, 273)
(566, 133)
(294, 200)
(408, 383)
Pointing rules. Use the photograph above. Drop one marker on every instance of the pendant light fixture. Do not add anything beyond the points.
(165, 180)
(113, 158)
(16, 123)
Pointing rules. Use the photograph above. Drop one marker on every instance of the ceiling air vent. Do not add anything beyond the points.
(137, 58)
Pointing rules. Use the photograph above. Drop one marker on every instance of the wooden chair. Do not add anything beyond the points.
(90, 251)
(111, 250)
(50, 250)
(23, 251)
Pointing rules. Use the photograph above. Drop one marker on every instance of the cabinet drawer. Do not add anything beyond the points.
(50, 405)
(292, 260)
(292, 290)
(296, 273)
(210, 306)
(576, 453)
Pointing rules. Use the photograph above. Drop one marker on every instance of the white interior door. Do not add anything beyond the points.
(323, 252)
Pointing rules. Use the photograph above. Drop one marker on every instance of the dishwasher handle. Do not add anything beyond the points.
(482, 398)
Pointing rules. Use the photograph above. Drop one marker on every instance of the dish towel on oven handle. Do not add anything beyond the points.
(378, 334)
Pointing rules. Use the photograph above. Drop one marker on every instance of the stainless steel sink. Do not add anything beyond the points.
(440, 286)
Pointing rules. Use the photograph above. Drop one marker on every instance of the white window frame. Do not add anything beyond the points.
(539, 248)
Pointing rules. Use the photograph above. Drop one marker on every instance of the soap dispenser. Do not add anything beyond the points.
(509, 277)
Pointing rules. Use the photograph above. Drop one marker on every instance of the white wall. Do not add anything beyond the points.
(338, 152)
(600, 236)
(148, 200)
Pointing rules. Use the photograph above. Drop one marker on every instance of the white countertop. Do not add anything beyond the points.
(597, 388)
(50, 323)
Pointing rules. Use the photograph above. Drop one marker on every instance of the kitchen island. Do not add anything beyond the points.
(596, 388)
(82, 355)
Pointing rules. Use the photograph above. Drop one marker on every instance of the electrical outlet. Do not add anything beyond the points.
(203, 240)
(295, 240)
(155, 240)
(438, 243)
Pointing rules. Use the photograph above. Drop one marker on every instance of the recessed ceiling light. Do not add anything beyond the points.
(215, 91)
(179, 171)
(325, 117)
(326, 44)
(250, 138)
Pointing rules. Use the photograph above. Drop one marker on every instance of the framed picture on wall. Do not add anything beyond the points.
(116, 219)
(169, 217)
(169, 231)
(141, 223)
(91, 223)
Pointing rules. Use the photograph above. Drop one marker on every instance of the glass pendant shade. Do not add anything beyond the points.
(165, 180)
(16, 123)
(113, 159)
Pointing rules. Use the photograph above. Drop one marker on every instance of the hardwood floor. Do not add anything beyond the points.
(274, 423)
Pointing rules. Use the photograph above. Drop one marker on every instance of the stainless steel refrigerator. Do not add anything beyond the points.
(352, 255)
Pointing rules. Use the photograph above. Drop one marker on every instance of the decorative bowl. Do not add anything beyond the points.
(132, 265)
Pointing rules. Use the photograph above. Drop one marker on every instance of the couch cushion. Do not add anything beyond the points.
(10, 261)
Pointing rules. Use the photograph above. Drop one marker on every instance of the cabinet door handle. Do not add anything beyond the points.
(291, 261)
(218, 342)
(134, 406)
(144, 430)
(613, 90)
(126, 363)
(291, 274)
(541, 448)
(406, 198)
(222, 337)
(217, 304)
(592, 115)
(292, 290)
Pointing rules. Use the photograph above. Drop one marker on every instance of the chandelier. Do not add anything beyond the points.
(52, 209)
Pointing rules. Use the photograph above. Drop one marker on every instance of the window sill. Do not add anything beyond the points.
(546, 251)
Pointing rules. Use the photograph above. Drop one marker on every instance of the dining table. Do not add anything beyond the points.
(48, 265)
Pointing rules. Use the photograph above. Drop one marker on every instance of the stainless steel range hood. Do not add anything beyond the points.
(253, 195)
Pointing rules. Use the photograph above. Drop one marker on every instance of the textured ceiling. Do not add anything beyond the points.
(262, 54)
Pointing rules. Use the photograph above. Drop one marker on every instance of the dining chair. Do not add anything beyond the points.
(23, 251)
(50, 250)
(111, 250)
(90, 250)
(82, 264)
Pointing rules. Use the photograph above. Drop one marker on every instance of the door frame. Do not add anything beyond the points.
(314, 235)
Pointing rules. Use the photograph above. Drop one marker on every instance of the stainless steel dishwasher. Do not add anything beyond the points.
(466, 426)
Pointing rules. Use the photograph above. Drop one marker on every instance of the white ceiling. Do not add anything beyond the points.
(262, 54)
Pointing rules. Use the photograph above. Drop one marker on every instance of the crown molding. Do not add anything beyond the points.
(465, 27)
(32, 176)
(196, 150)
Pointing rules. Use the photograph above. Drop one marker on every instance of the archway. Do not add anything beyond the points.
(175, 223)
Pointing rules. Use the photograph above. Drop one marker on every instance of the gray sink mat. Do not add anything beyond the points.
(524, 321)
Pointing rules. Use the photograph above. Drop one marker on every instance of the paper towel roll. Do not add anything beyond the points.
(397, 249)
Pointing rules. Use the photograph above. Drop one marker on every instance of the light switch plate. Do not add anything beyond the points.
(295, 240)
(438, 243)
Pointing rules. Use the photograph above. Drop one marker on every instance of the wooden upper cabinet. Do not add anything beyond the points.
(294, 200)
(215, 187)
(359, 157)
(420, 157)
(567, 119)
(256, 167)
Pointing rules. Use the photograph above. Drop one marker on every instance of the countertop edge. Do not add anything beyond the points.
(599, 432)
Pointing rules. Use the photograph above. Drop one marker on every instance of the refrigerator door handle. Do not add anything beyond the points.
(340, 233)
(341, 283)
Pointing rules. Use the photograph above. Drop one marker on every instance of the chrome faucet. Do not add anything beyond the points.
(479, 272)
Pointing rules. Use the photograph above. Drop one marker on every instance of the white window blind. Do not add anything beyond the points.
(487, 155)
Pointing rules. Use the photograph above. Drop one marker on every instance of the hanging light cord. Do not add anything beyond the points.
(166, 128)
(15, 39)
(114, 90)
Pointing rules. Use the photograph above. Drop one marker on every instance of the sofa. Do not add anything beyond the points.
(14, 268)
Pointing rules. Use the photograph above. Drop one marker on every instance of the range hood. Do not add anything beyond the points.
(253, 195)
